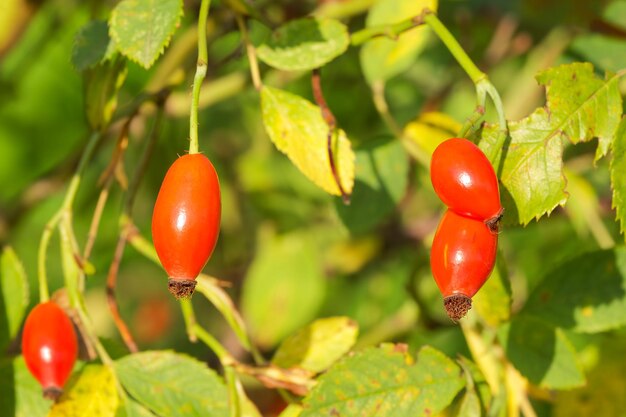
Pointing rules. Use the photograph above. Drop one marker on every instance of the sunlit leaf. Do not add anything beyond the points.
(297, 128)
(172, 384)
(318, 345)
(142, 29)
(386, 382)
(430, 129)
(304, 44)
(618, 175)
(92, 393)
(580, 107)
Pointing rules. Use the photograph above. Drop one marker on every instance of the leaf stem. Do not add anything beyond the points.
(453, 46)
(190, 319)
(255, 73)
(220, 351)
(389, 31)
(233, 393)
(201, 70)
(329, 118)
(70, 194)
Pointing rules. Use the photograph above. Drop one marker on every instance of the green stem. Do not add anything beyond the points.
(388, 31)
(233, 393)
(255, 73)
(220, 351)
(503, 131)
(189, 318)
(453, 46)
(201, 69)
(70, 194)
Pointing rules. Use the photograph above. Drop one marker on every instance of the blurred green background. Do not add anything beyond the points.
(291, 252)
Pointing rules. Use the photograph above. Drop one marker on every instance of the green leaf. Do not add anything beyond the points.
(382, 58)
(618, 175)
(92, 393)
(580, 107)
(606, 52)
(292, 410)
(386, 382)
(102, 84)
(318, 345)
(21, 393)
(172, 384)
(142, 29)
(304, 44)
(283, 289)
(133, 409)
(382, 169)
(493, 301)
(585, 294)
(13, 296)
(542, 353)
(603, 395)
(92, 45)
(298, 130)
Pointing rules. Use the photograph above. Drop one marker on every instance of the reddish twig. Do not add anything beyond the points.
(330, 120)
(110, 289)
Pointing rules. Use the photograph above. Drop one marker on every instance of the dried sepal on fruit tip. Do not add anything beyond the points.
(52, 393)
(181, 288)
(457, 306)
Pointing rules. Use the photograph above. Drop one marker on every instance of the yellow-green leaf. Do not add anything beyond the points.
(318, 345)
(13, 295)
(428, 131)
(93, 393)
(297, 128)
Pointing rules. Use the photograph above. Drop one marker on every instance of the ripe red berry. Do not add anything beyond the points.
(186, 221)
(465, 181)
(50, 347)
(461, 259)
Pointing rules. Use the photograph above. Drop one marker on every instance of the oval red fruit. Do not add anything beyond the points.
(461, 259)
(465, 181)
(50, 347)
(186, 221)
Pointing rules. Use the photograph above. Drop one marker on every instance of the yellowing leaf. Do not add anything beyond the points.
(318, 345)
(92, 394)
(430, 129)
(297, 128)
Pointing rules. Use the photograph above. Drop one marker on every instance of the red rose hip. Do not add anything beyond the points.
(50, 347)
(465, 181)
(461, 259)
(186, 221)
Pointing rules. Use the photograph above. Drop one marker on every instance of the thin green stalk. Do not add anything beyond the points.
(233, 394)
(255, 73)
(189, 318)
(453, 46)
(220, 351)
(389, 31)
(70, 194)
(201, 69)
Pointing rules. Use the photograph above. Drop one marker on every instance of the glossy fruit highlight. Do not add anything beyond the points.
(465, 181)
(50, 347)
(186, 221)
(461, 259)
